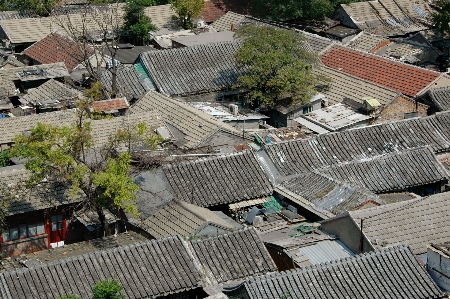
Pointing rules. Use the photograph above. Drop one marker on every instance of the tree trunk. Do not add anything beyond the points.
(102, 218)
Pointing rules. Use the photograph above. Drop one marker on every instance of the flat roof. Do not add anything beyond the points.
(206, 38)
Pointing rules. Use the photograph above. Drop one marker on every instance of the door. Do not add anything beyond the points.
(57, 229)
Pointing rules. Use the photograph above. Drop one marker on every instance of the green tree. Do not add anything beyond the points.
(187, 10)
(442, 17)
(137, 24)
(41, 7)
(107, 289)
(4, 158)
(282, 10)
(66, 155)
(275, 66)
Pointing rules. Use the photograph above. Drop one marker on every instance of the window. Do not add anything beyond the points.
(23, 231)
(57, 222)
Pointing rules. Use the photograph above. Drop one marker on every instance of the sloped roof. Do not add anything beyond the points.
(43, 196)
(225, 21)
(392, 172)
(397, 76)
(51, 90)
(389, 17)
(56, 47)
(390, 273)
(193, 70)
(128, 83)
(110, 105)
(9, 75)
(145, 270)
(298, 156)
(12, 126)
(180, 218)
(233, 256)
(104, 129)
(345, 87)
(13, 14)
(415, 222)
(367, 42)
(193, 123)
(440, 97)
(329, 194)
(161, 15)
(219, 180)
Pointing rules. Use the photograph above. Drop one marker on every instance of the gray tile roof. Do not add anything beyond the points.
(128, 82)
(219, 180)
(440, 97)
(366, 42)
(329, 194)
(233, 256)
(390, 273)
(318, 43)
(9, 15)
(392, 172)
(180, 218)
(344, 87)
(333, 148)
(145, 270)
(224, 22)
(12, 126)
(51, 90)
(416, 222)
(41, 197)
(9, 75)
(195, 125)
(193, 70)
(104, 129)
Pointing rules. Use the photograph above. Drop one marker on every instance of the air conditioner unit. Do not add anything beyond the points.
(234, 109)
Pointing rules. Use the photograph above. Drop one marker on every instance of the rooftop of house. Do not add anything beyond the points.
(203, 39)
(397, 76)
(361, 143)
(367, 42)
(347, 88)
(43, 196)
(190, 125)
(333, 195)
(56, 47)
(219, 180)
(233, 256)
(389, 17)
(348, 277)
(214, 9)
(440, 97)
(193, 70)
(181, 218)
(129, 83)
(336, 117)
(161, 15)
(127, 53)
(416, 222)
(50, 90)
(8, 76)
(111, 105)
(341, 31)
(392, 172)
(12, 14)
(148, 269)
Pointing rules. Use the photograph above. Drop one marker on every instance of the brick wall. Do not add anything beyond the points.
(24, 246)
(396, 110)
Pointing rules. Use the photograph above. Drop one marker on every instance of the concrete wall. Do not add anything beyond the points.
(348, 233)
(438, 265)
(24, 246)
(343, 17)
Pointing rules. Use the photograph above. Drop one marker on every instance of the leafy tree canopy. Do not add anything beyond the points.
(137, 24)
(108, 289)
(296, 9)
(41, 7)
(187, 10)
(442, 17)
(275, 66)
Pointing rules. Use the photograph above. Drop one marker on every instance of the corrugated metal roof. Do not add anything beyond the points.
(326, 251)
